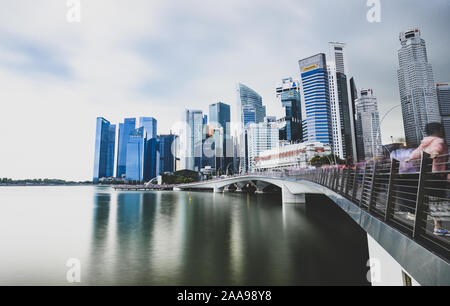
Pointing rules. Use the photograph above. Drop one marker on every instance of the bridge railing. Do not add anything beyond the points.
(413, 197)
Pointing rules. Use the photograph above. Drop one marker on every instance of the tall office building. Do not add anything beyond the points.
(167, 153)
(125, 129)
(417, 87)
(341, 104)
(105, 139)
(150, 126)
(368, 126)
(249, 110)
(261, 137)
(248, 98)
(353, 98)
(316, 111)
(443, 95)
(191, 140)
(219, 118)
(291, 124)
(136, 156)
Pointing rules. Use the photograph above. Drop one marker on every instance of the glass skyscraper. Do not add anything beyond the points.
(125, 129)
(289, 94)
(167, 158)
(315, 94)
(219, 118)
(417, 87)
(105, 139)
(136, 155)
(191, 140)
(150, 126)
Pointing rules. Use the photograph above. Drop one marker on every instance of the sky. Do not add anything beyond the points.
(158, 57)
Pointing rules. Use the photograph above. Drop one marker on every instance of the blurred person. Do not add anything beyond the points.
(437, 148)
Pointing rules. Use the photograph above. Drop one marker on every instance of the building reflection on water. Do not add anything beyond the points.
(180, 238)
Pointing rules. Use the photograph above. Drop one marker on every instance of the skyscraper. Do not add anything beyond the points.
(443, 95)
(316, 99)
(219, 118)
(248, 98)
(341, 104)
(167, 156)
(368, 126)
(191, 140)
(104, 149)
(261, 137)
(417, 87)
(136, 153)
(150, 126)
(125, 129)
(291, 124)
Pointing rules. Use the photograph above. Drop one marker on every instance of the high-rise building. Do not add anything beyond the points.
(105, 139)
(261, 137)
(443, 95)
(191, 140)
(316, 111)
(136, 156)
(125, 129)
(341, 104)
(249, 110)
(167, 154)
(368, 126)
(219, 118)
(291, 124)
(150, 126)
(417, 87)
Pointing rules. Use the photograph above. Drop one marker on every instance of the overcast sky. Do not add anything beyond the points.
(158, 57)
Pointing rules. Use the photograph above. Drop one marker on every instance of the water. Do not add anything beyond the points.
(175, 238)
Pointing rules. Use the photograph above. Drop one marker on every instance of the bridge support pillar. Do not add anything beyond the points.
(290, 198)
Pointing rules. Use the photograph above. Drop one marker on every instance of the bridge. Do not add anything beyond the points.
(396, 208)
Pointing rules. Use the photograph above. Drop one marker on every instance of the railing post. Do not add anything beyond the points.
(372, 187)
(347, 181)
(395, 166)
(363, 184)
(420, 221)
(355, 181)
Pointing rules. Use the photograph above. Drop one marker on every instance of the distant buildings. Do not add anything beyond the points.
(105, 139)
(167, 153)
(125, 129)
(443, 95)
(219, 123)
(341, 104)
(316, 99)
(136, 156)
(368, 126)
(417, 87)
(260, 137)
(291, 124)
(191, 140)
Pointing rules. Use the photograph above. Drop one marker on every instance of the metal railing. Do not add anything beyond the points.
(411, 200)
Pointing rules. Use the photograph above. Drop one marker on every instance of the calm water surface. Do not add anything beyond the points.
(175, 238)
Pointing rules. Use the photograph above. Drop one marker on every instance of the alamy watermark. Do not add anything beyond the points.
(374, 13)
(73, 11)
(73, 275)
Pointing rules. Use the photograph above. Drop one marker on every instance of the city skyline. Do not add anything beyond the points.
(71, 83)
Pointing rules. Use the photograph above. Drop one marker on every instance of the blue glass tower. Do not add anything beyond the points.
(314, 78)
(289, 95)
(125, 129)
(249, 99)
(220, 117)
(136, 155)
(166, 155)
(104, 149)
(150, 126)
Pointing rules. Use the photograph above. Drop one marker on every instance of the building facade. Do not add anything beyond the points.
(417, 87)
(368, 126)
(316, 112)
(220, 118)
(125, 129)
(261, 137)
(291, 124)
(292, 156)
(136, 156)
(167, 153)
(191, 140)
(105, 139)
(443, 95)
(150, 126)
